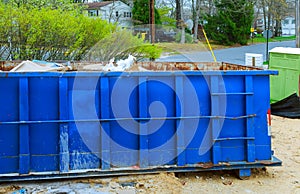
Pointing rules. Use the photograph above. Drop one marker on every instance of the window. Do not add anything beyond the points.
(293, 21)
(117, 14)
(127, 14)
(286, 21)
(260, 22)
(93, 13)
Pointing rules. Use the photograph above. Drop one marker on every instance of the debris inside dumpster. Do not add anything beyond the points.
(39, 66)
(120, 65)
(126, 65)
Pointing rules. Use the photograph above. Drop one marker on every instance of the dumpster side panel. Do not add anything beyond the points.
(193, 149)
(234, 150)
(43, 137)
(123, 133)
(260, 128)
(9, 134)
(83, 134)
(68, 124)
(161, 104)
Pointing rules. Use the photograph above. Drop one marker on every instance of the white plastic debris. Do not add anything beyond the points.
(110, 66)
(39, 66)
(120, 65)
(126, 64)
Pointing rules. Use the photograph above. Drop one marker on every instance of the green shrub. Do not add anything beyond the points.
(231, 23)
(119, 45)
(188, 37)
(46, 33)
(49, 34)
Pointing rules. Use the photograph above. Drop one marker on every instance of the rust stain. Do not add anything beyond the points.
(224, 164)
(185, 66)
(8, 65)
(155, 66)
(205, 165)
(228, 66)
(266, 162)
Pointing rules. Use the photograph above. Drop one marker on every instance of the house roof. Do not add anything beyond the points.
(98, 4)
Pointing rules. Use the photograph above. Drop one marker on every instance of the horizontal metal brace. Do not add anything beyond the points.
(126, 119)
(220, 94)
(234, 138)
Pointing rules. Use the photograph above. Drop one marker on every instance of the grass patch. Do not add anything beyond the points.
(173, 48)
(266, 63)
(285, 38)
(261, 39)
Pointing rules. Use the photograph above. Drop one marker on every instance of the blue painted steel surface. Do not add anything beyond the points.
(62, 123)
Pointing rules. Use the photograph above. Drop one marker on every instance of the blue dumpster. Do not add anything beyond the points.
(77, 124)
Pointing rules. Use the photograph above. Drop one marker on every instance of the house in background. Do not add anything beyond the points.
(91, 1)
(289, 26)
(284, 10)
(111, 11)
(259, 24)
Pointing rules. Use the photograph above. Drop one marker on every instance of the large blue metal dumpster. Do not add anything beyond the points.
(75, 124)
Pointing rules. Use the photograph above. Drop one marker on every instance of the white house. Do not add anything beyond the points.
(112, 11)
(129, 2)
(91, 1)
(288, 26)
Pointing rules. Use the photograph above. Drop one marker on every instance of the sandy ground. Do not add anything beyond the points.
(284, 179)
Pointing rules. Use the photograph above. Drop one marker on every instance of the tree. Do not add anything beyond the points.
(53, 4)
(178, 13)
(140, 13)
(232, 21)
(196, 15)
(165, 16)
(170, 4)
(182, 40)
(278, 11)
(274, 12)
(210, 7)
(28, 32)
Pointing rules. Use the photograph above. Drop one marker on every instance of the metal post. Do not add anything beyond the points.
(267, 49)
(297, 23)
(152, 21)
(10, 48)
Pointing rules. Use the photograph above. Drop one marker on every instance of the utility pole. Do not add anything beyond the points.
(297, 23)
(152, 21)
